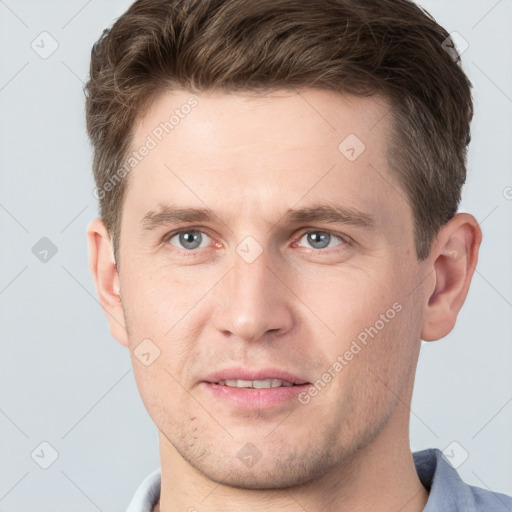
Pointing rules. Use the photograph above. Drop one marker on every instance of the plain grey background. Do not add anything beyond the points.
(65, 382)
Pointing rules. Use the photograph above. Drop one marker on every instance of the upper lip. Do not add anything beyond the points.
(254, 374)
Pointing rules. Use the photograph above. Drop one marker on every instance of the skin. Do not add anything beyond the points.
(296, 307)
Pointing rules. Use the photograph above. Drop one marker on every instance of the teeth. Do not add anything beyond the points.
(256, 384)
(262, 384)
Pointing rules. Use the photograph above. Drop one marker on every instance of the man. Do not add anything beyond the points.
(278, 185)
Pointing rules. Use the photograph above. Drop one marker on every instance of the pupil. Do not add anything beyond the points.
(190, 238)
(319, 240)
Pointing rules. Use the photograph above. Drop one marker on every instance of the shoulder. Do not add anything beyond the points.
(448, 492)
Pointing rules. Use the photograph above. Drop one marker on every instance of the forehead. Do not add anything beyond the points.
(232, 121)
(248, 152)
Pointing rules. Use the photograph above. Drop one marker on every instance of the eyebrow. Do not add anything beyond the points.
(328, 213)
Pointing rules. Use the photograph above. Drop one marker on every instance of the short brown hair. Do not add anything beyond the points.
(362, 47)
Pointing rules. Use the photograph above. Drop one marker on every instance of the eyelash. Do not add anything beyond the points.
(346, 241)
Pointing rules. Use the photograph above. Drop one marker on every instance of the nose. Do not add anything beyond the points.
(253, 301)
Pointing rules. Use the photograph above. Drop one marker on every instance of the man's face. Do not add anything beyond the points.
(255, 289)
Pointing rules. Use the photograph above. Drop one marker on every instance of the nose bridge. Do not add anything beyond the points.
(253, 299)
(251, 279)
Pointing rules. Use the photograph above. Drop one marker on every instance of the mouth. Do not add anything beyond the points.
(255, 389)
(263, 378)
(256, 384)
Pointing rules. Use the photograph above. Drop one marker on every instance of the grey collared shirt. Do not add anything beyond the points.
(447, 491)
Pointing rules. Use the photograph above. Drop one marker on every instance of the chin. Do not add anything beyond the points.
(282, 471)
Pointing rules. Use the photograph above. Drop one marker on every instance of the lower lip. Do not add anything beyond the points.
(250, 398)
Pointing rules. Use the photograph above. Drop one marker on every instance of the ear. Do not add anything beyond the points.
(106, 278)
(454, 256)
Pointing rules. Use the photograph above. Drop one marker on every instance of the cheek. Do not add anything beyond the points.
(349, 301)
(153, 383)
(387, 342)
(161, 397)
(374, 329)
(158, 301)
(160, 383)
(163, 329)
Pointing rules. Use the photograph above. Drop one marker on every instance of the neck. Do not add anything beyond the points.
(380, 476)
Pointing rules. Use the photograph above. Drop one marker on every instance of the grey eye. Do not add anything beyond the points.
(321, 239)
(190, 240)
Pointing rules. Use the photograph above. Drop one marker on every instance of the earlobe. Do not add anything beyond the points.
(106, 278)
(454, 256)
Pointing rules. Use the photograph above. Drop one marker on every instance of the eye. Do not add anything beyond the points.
(322, 239)
(189, 239)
